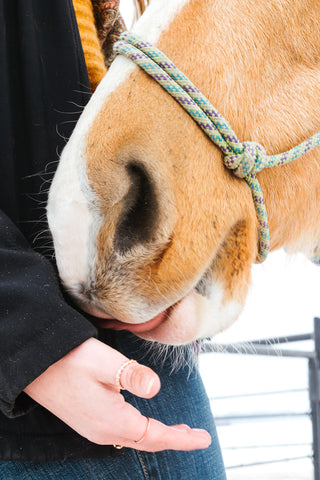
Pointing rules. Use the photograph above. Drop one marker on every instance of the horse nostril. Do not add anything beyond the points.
(139, 216)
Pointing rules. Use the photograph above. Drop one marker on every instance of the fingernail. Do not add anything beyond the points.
(206, 438)
(147, 384)
(182, 427)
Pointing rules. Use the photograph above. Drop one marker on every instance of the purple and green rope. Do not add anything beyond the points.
(245, 159)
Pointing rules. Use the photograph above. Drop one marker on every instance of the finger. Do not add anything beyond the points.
(162, 437)
(158, 436)
(138, 379)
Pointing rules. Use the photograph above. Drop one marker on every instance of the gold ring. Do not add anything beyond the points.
(145, 433)
(118, 447)
(119, 372)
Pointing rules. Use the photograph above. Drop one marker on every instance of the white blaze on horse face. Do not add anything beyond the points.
(72, 223)
(157, 18)
(69, 219)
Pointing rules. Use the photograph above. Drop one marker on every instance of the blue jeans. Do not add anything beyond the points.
(182, 399)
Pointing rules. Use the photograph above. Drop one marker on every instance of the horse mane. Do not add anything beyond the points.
(140, 6)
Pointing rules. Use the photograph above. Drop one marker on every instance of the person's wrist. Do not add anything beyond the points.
(81, 356)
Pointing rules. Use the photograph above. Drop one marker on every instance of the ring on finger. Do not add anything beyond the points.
(119, 372)
(145, 433)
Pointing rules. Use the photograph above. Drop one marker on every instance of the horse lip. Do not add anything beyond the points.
(104, 320)
(115, 324)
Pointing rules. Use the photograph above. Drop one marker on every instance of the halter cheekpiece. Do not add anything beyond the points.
(245, 159)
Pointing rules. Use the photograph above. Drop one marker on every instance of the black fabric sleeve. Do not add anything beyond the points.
(37, 326)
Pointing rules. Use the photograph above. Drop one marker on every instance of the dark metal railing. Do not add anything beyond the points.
(274, 347)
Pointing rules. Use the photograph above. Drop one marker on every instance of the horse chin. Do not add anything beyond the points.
(194, 317)
(180, 324)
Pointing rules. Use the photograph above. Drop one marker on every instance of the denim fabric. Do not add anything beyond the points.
(182, 399)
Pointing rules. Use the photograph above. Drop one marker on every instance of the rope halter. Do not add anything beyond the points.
(244, 159)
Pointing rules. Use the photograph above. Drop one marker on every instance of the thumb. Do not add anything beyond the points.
(140, 380)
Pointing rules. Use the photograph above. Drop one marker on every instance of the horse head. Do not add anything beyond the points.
(152, 233)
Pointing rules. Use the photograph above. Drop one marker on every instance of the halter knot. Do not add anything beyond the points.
(253, 159)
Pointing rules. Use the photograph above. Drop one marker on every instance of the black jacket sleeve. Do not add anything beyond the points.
(43, 81)
(37, 326)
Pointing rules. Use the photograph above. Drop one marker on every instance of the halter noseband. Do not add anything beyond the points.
(245, 159)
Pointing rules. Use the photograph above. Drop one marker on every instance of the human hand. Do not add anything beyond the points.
(81, 390)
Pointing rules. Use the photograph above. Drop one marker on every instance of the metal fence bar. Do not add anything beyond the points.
(260, 394)
(259, 416)
(267, 462)
(243, 348)
(290, 338)
(275, 445)
(314, 396)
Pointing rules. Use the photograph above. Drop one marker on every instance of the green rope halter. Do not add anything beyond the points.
(245, 159)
